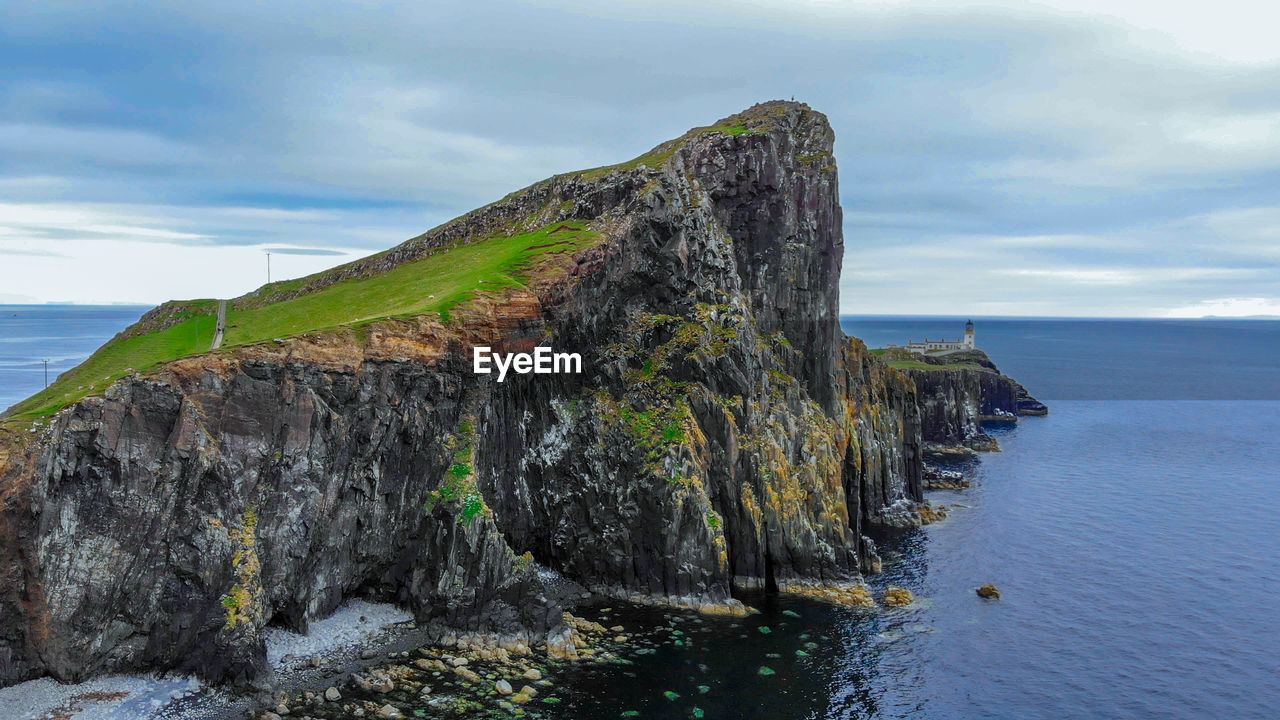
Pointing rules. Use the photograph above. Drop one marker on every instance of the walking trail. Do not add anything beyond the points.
(222, 324)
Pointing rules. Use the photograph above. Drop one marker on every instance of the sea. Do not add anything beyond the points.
(64, 335)
(1134, 533)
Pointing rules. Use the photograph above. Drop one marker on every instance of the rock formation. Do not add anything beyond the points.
(724, 435)
(963, 391)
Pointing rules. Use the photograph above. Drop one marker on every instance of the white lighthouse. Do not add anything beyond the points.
(942, 346)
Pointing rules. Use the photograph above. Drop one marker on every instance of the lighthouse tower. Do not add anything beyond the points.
(968, 335)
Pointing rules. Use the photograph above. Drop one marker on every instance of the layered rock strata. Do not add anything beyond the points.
(723, 436)
(963, 391)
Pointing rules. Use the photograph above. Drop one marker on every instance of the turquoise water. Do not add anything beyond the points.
(1133, 532)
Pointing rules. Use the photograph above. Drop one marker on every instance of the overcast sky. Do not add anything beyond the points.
(1095, 158)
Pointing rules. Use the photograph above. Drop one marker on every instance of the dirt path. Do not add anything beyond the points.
(222, 324)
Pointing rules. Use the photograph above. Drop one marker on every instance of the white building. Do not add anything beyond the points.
(939, 346)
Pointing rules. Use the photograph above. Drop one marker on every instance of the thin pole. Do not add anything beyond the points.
(46, 371)
(268, 268)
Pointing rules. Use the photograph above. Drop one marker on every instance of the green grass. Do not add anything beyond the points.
(653, 159)
(115, 360)
(917, 365)
(735, 129)
(433, 284)
(901, 359)
(659, 155)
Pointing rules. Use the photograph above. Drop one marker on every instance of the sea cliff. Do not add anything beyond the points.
(960, 391)
(724, 435)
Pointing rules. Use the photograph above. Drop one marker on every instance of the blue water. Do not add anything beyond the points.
(1060, 359)
(1134, 533)
(64, 334)
(1137, 547)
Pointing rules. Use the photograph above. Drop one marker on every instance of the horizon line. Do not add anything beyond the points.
(842, 315)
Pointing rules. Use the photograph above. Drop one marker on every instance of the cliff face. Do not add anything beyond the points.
(724, 435)
(951, 402)
(960, 393)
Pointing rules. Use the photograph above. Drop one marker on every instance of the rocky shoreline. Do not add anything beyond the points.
(466, 676)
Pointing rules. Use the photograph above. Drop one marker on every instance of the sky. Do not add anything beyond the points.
(1065, 158)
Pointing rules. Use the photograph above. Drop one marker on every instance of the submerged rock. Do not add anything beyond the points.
(897, 597)
(931, 514)
(988, 591)
(852, 594)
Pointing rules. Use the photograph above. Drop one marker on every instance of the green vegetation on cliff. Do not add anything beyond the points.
(435, 283)
(917, 365)
(659, 154)
(124, 354)
(901, 359)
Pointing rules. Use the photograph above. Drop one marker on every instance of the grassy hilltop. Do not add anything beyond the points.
(433, 284)
(349, 294)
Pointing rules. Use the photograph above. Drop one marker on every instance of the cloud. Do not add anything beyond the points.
(27, 253)
(1237, 307)
(302, 251)
(1070, 157)
(1129, 276)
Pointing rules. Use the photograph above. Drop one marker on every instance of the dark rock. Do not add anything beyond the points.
(724, 435)
(955, 401)
(938, 479)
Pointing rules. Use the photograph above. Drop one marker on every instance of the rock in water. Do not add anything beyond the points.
(699, 285)
(332, 694)
(930, 514)
(503, 687)
(897, 597)
(988, 591)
